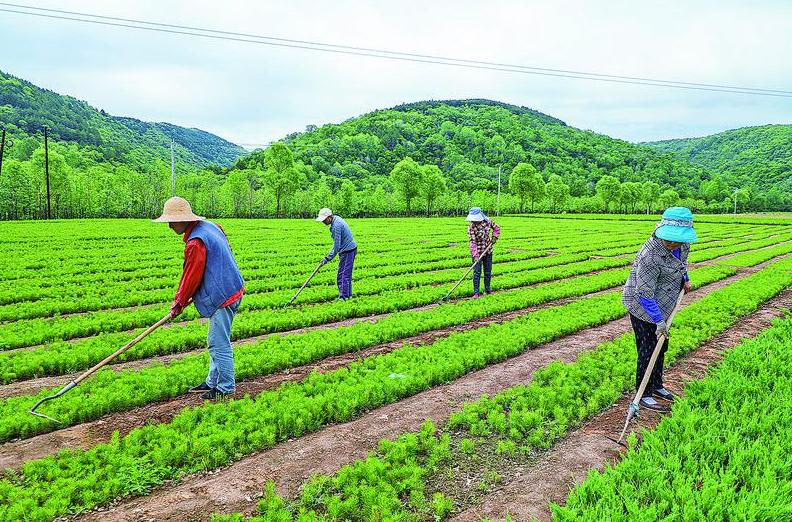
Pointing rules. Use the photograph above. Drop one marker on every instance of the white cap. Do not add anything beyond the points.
(324, 214)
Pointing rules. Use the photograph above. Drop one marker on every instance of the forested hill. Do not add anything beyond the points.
(25, 109)
(746, 156)
(469, 140)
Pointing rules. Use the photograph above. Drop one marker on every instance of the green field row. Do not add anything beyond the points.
(395, 483)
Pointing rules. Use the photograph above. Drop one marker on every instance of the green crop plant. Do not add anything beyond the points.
(111, 391)
(722, 455)
(559, 397)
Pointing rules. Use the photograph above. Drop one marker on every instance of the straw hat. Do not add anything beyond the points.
(677, 226)
(476, 214)
(324, 214)
(177, 210)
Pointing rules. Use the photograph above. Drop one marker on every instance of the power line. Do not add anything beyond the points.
(397, 53)
(390, 55)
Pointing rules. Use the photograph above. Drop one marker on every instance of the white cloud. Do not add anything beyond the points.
(254, 93)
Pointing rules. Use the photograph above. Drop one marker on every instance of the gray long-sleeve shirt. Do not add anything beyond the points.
(342, 237)
(656, 274)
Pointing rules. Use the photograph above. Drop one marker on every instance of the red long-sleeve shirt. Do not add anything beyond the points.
(193, 271)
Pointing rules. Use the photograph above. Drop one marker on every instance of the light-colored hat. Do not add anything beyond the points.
(324, 214)
(476, 214)
(677, 226)
(177, 210)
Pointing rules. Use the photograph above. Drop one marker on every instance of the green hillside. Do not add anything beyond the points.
(759, 156)
(469, 139)
(25, 109)
(433, 157)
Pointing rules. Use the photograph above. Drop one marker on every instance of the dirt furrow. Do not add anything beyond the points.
(331, 282)
(86, 435)
(236, 487)
(31, 386)
(550, 476)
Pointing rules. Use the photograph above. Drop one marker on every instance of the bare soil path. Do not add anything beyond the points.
(86, 435)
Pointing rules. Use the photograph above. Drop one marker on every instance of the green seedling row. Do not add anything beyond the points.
(393, 482)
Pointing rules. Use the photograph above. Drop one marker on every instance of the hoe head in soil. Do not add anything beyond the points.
(94, 369)
(632, 410)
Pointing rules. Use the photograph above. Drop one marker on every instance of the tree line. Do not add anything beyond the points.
(279, 186)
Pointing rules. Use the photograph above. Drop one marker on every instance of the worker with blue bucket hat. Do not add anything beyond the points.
(658, 274)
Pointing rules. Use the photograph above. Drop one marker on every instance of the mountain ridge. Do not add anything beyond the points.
(25, 109)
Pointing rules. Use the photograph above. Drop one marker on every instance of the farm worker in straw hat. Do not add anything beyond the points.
(212, 280)
(658, 274)
(482, 232)
(344, 245)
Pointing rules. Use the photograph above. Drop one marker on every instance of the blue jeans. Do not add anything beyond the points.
(486, 261)
(221, 355)
(346, 261)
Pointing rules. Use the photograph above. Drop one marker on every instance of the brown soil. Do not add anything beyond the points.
(550, 477)
(33, 386)
(332, 325)
(734, 254)
(237, 487)
(86, 435)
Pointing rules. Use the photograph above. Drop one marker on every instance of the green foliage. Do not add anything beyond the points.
(557, 193)
(408, 178)
(561, 396)
(756, 157)
(650, 194)
(609, 190)
(434, 185)
(527, 183)
(722, 455)
(280, 175)
(118, 167)
(99, 164)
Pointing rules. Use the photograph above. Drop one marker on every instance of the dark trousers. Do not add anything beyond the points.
(346, 261)
(486, 262)
(645, 341)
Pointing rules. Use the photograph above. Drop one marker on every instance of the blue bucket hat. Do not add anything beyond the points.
(476, 214)
(677, 226)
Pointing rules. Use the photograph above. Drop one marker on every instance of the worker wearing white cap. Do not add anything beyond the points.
(344, 245)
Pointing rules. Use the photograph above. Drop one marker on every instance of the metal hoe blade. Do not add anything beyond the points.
(45, 399)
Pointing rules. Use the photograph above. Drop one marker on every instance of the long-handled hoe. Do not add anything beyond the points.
(486, 251)
(91, 371)
(632, 410)
(303, 285)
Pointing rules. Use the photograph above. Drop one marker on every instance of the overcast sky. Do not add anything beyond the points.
(251, 93)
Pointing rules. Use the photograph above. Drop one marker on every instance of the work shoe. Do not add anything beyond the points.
(651, 404)
(214, 395)
(200, 388)
(662, 393)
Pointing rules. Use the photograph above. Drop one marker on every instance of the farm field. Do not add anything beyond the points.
(384, 407)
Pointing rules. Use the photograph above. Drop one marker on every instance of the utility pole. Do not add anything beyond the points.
(46, 171)
(2, 149)
(173, 172)
(735, 201)
(499, 174)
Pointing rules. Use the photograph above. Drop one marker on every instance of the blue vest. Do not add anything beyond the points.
(221, 277)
